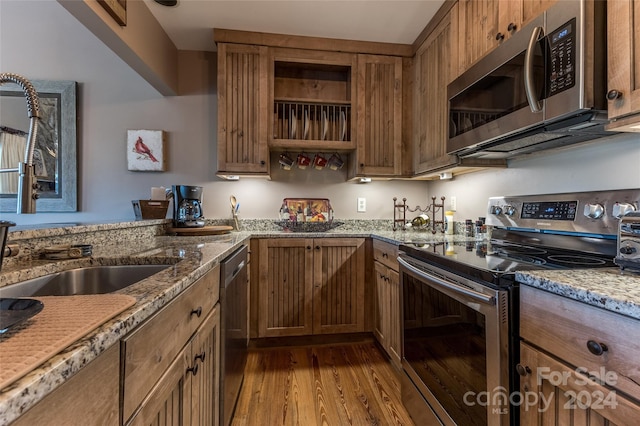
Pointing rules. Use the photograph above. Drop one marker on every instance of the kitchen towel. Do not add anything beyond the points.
(62, 321)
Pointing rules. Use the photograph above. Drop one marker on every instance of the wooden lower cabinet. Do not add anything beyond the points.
(578, 363)
(310, 286)
(555, 394)
(170, 363)
(89, 397)
(387, 325)
(188, 392)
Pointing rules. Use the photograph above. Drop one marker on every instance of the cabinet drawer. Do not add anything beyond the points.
(563, 326)
(386, 253)
(149, 350)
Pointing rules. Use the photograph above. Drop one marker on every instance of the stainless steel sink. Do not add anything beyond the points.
(89, 280)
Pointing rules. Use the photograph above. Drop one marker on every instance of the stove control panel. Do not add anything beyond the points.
(595, 212)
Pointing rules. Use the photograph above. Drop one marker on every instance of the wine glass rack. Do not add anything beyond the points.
(400, 214)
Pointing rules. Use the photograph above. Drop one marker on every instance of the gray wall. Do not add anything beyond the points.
(41, 40)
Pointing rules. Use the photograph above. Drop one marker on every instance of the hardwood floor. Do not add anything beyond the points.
(341, 384)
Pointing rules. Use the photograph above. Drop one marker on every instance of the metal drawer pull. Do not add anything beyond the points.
(200, 357)
(596, 348)
(193, 370)
(197, 312)
(523, 370)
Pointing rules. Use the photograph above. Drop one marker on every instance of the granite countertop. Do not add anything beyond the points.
(192, 258)
(195, 256)
(606, 288)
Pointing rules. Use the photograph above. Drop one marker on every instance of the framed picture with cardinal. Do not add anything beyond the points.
(146, 150)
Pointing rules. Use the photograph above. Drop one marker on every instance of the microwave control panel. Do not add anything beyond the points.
(562, 58)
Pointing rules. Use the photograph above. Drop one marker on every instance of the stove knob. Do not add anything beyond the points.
(621, 209)
(594, 211)
(496, 210)
(509, 210)
(627, 250)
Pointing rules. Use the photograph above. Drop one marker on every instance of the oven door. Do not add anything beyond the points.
(455, 346)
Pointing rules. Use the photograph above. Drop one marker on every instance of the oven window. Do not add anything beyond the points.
(445, 344)
(495, 95)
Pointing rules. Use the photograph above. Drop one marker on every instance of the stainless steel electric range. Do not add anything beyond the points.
(460, 300)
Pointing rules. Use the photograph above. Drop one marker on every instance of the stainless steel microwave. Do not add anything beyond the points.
(544, 87)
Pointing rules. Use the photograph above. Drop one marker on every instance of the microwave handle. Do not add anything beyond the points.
(529, 87)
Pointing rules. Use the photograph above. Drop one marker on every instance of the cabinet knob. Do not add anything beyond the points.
(308, 247)
(361, 165)
(262, 162)
(200, 357)
(193, 370)
(499, 36)
(613, 94)
(197, 312)
(523, 370)
(385, 255)
(596, 348)
(512, 27)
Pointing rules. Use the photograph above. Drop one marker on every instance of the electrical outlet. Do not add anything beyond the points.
(454, 203)
(362, 204)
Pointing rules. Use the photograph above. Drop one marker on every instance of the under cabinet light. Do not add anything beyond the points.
(365, 180)
(446, 175)
(231, 177)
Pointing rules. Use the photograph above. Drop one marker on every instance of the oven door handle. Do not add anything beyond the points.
(439, 282)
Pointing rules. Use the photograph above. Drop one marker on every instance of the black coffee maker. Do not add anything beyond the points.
(187, 206)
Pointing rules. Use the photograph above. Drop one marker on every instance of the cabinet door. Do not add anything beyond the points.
(242, 109)
(485, 24)
(395, 325)
(435, 64)
(89, 397)
(555, 394)
(201, 396)
(164, 405)
(624, 57)
(479, 24)
(382, 325)
(338, 285)
(387, 324)
(285, 287)
(379, 118)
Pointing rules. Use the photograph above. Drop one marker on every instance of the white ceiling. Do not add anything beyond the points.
(189, 24)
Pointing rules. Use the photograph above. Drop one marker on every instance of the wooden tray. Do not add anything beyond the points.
(205, 230)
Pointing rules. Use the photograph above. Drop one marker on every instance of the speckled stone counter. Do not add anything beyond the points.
(143, 242)
(138, 243)
(606, 288)
(191, 258)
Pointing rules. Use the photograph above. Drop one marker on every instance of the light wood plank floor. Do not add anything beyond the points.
(342, 384)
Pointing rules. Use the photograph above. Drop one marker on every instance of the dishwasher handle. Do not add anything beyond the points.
(235, 272)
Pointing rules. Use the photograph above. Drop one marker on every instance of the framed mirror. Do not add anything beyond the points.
(55, 150)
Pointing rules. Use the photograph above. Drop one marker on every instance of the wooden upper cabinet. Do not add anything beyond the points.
(435, 66)
(624, 64)
(242, 109)
(379, 116)
(311, 97)
(484, 24)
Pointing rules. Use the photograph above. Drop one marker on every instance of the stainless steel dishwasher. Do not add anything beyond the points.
(234, 301)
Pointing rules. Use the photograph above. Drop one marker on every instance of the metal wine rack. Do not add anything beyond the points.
(400, 214)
